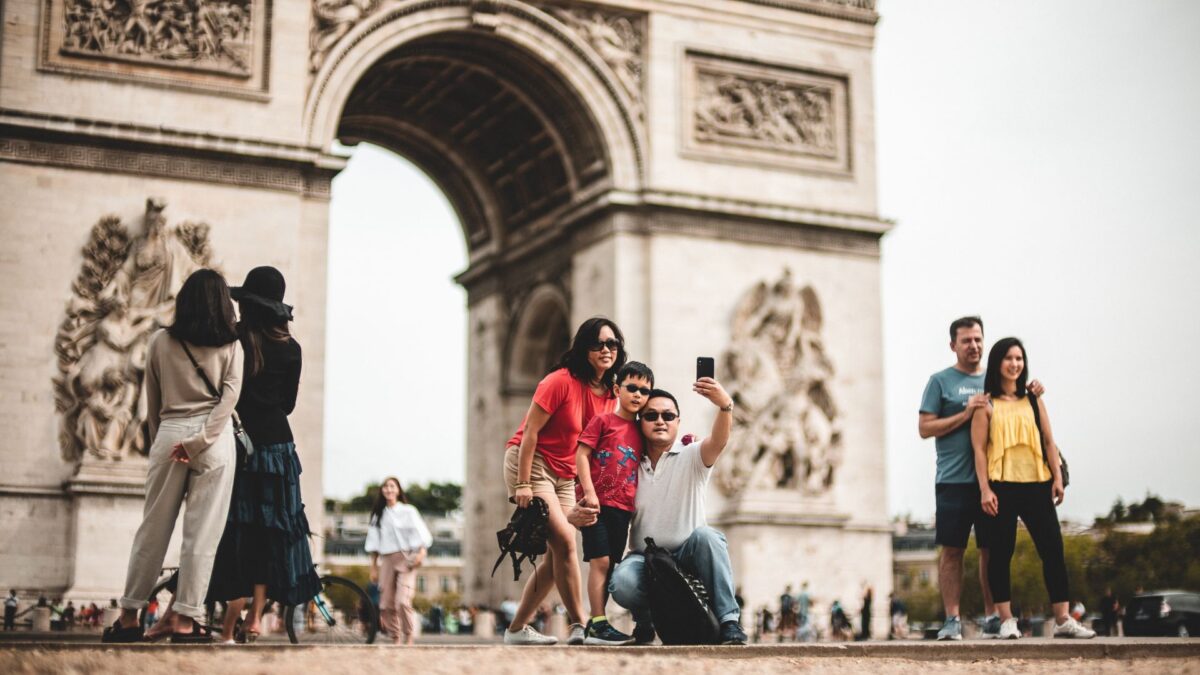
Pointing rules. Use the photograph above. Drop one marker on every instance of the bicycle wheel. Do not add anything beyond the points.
(163, 592)
(341, 613)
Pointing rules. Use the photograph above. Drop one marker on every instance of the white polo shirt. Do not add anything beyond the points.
(670, 497)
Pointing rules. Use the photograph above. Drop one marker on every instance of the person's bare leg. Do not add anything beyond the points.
(233, 610)
(989, 607)
(536, 590)
(597, 584)
(567, 578)
(950, 573)
(260, 600)
(1062, 610)
(1005, 610)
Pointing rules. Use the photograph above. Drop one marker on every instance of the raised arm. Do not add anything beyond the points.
(930, 425)
(712, 447)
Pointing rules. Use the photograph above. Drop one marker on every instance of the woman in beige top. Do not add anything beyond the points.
(192, 457)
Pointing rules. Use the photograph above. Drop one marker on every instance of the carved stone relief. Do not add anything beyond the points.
(761, 112)
(332, 19)
(124, 292)
(221, 44)
(618, 37)
(787, 428)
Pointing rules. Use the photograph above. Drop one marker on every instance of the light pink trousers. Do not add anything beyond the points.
(397, 586)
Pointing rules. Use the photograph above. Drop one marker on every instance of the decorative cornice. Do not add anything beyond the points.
(859, 11)
(98, 145)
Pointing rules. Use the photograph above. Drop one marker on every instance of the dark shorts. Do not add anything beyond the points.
(608, 536)
(958, 511)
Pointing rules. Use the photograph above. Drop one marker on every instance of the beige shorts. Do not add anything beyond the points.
(544, 481)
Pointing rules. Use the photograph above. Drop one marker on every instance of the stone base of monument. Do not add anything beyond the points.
(107, 500)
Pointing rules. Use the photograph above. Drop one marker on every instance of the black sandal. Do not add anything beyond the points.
(200, 635)
(118, 634)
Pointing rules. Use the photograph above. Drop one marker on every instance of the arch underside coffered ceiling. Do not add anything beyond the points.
(515, 116)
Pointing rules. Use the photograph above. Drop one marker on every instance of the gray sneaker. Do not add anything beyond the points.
(951, 630)
(991, 626)
(528, 636)
(576, 635)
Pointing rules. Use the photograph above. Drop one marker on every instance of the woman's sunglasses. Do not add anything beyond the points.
(611, 345)
(634, 389)
(653, 416)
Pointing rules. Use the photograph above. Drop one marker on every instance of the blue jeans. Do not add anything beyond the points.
(704, 553)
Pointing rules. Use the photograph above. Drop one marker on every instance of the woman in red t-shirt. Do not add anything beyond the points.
(540, 460)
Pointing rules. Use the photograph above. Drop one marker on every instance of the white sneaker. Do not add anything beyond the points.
(575, 637)
(1009, 630)
(1073, 629)
(528, 636)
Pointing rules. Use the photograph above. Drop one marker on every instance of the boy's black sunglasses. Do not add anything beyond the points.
(653, 415)
(634, 389)
(612, 345)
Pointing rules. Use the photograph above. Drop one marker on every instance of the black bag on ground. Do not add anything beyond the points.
(525, 536)
(679, 604)
(1037, 419)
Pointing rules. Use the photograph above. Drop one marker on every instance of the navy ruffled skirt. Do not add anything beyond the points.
(266, 533)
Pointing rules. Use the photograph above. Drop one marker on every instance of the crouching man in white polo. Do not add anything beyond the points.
(670, 509)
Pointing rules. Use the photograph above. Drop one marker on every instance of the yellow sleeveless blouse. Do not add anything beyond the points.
(1014, 450)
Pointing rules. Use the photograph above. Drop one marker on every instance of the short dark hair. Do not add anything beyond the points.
(575, 359)
(991, 378)
(964, 322)
(204, 311)
(636, 369)
(662, 393)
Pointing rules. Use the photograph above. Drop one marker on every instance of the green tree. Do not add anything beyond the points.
(435, 497)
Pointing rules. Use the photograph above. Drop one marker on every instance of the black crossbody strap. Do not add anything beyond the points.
(1037, 420)
(200, 371)
(237, 423)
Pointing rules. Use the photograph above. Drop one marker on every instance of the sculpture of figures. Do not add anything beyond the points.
(210, 33)
(617, 38)
(125, 291)
(332, 19)
(789, 115)
(786, 426)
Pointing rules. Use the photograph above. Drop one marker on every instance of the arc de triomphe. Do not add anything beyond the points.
(702, 171)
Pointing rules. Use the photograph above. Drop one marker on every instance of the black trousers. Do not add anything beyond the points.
(1032, 503)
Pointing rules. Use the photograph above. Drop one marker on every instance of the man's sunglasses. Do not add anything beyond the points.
(611, 345)
(653, 416)
(634, 389)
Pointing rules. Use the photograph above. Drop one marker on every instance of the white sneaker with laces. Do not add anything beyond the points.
(1073, 629)
(1009, 630)
(528, 636)
(577, 634)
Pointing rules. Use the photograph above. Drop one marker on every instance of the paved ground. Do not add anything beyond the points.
(1032, 656)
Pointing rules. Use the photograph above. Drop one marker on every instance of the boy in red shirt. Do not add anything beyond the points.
(607, 459)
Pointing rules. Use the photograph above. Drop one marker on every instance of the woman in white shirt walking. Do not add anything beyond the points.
(397, 540)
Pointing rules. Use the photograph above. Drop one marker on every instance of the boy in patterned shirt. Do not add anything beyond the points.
(607, 458)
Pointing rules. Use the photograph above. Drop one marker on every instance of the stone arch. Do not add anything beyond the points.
(503, 62)
(540, 332)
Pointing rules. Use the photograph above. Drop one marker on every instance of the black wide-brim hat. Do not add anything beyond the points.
(264, 287)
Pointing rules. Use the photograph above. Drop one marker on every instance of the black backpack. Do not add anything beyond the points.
(1037, 420)
(526, 534)
(679, 604)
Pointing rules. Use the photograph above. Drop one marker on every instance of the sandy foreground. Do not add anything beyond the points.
(555, 661)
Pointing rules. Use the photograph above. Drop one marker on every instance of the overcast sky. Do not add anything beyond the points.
(1042, 161)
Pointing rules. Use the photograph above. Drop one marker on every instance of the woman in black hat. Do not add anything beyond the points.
(264, 551)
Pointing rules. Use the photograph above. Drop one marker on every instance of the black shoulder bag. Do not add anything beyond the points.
(245, 447)
(1037, 419)
(526, 534)
(679, 602)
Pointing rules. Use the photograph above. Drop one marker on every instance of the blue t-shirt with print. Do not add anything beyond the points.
(946, 395)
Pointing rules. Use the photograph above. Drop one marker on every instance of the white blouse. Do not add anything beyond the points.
(400, 528)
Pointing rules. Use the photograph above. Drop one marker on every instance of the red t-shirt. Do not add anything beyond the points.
(571, 405)
(616, 454)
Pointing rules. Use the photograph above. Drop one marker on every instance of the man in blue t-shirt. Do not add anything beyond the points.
(951, 398)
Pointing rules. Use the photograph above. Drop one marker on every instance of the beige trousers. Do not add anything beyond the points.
(397, 586)
(206, 484)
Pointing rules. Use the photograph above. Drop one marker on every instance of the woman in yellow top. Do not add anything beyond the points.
(1020, 476)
